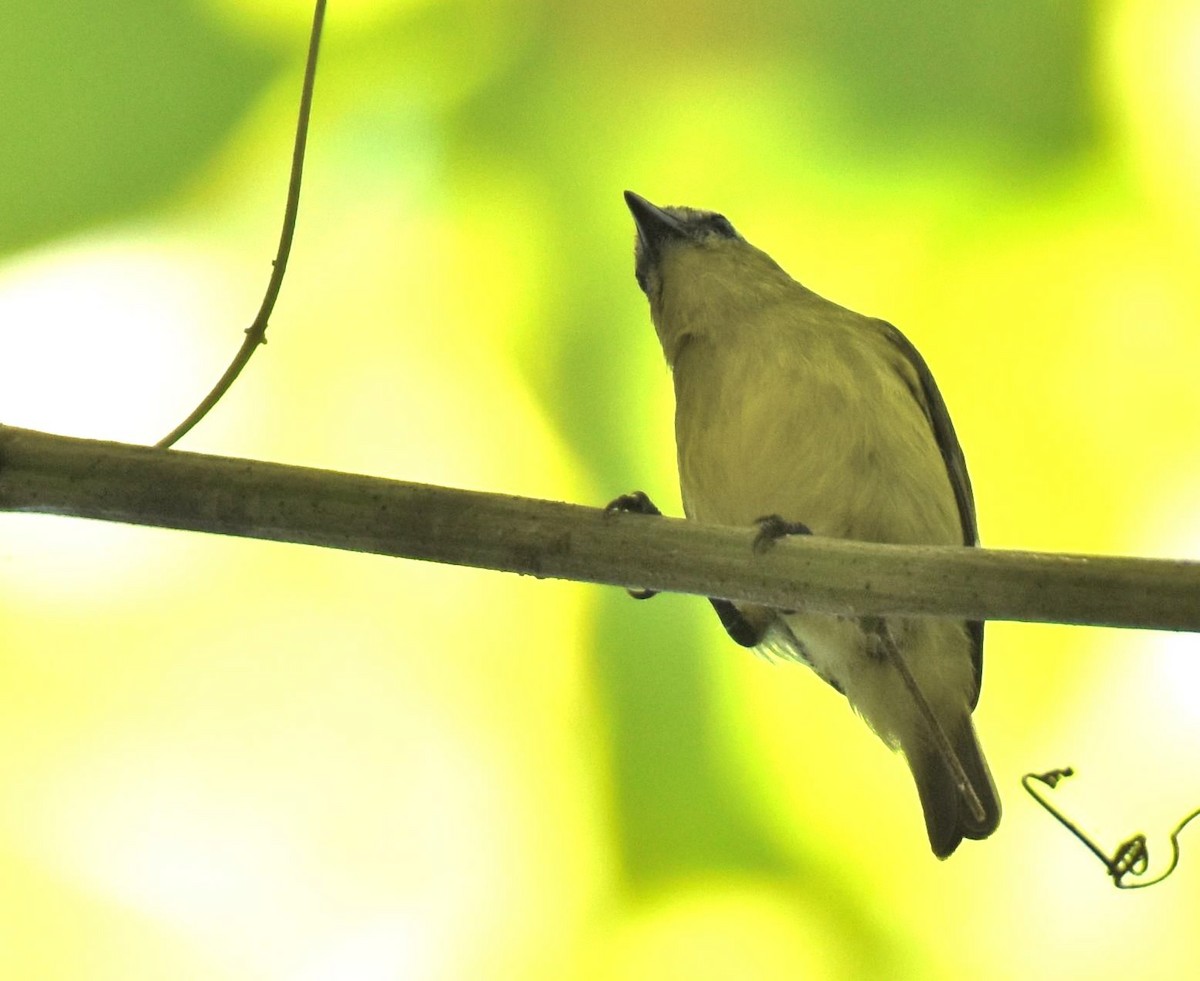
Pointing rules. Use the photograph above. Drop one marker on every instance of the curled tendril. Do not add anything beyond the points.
(1132, 857)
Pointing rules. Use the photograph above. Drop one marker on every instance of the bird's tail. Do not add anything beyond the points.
(949, 815)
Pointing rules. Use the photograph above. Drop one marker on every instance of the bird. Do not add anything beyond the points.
(801, 416)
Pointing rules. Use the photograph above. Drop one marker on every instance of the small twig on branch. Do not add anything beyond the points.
(149, 486)
(256, 333)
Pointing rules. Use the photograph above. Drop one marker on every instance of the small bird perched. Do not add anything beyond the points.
(790, 409)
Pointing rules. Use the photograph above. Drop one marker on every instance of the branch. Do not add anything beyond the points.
(256, 333)
(250, 499)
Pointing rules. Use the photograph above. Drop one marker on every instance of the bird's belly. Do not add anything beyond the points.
(827, 458)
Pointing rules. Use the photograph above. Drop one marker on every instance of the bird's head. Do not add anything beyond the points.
(693, 265)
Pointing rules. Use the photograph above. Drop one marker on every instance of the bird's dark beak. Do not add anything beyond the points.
(654, 225)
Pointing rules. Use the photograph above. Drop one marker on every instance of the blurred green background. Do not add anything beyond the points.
(229, 759)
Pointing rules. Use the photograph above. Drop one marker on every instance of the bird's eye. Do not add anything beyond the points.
(720, 224)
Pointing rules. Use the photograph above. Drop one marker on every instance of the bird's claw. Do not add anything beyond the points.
(634, 503)
(772, 527)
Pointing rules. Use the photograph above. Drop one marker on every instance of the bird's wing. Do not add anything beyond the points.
(934, 407)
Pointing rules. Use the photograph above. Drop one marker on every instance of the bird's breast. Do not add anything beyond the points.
(816, 426)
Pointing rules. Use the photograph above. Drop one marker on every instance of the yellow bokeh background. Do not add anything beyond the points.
(231, 759)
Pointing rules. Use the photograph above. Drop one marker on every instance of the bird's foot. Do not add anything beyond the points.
(635, 503)
(772, 527)
(740, 629)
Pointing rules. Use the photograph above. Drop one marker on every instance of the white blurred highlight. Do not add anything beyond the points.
(99, 337)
